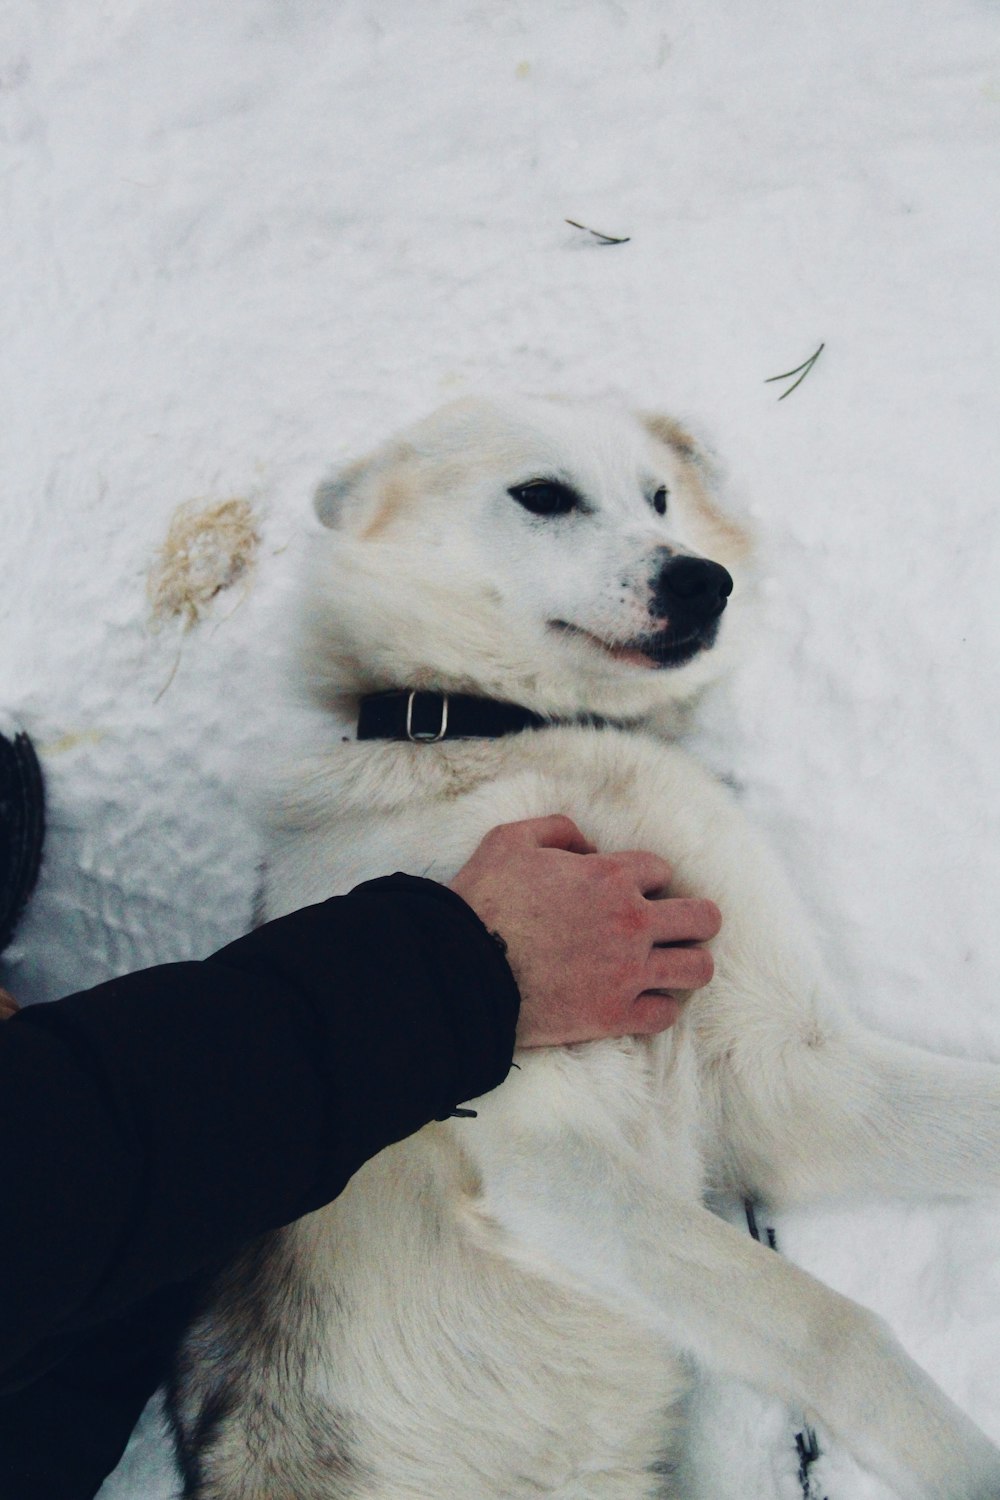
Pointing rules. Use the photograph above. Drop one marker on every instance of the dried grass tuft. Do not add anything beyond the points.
(206, 551)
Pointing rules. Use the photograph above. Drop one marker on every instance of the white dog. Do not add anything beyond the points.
(509, 1306)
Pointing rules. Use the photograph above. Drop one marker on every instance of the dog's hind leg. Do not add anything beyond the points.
(598, 1220)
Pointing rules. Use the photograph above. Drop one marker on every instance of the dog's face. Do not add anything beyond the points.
(556, 553)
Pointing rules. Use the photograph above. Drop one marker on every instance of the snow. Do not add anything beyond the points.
(243, 243)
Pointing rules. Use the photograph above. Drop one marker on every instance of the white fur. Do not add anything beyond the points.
(509, 1304)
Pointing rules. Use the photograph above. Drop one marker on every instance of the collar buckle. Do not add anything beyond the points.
(422, 736)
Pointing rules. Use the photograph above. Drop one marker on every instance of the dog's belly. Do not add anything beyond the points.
(399, 1358)
(469, 1375)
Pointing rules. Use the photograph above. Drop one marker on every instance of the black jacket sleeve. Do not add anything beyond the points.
(150, 1126)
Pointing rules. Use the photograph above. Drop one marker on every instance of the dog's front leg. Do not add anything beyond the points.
(600, 1223)
(840, 1110)
(802, 1102)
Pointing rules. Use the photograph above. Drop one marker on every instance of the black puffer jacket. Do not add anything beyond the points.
(151, 1126)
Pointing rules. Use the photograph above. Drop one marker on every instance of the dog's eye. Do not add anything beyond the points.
(660, 501)
(545, 497)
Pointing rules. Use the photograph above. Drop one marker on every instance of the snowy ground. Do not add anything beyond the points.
(243, 242)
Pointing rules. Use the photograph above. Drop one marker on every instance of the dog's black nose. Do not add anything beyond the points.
(691, 589)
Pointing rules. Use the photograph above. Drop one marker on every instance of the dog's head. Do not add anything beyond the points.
(559, 554)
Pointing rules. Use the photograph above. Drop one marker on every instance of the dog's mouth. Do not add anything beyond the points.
(653, 651)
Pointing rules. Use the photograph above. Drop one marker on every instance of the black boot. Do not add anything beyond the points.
(22, 827)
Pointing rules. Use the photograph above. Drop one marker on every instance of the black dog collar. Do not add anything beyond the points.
(426, 718)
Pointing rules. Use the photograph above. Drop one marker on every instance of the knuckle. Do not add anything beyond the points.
(606, 868)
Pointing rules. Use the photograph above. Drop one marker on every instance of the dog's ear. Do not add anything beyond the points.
(673, 434)
(340, 497)
(365, 498)
(730, 541)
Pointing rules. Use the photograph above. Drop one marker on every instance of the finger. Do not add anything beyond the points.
(556, 831)
(685, 919)
(651, 874)
(653, 1012)
(679, 968)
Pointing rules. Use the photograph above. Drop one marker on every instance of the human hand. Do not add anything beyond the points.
(596, 947)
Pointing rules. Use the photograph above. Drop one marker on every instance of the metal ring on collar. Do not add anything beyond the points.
(421, 736)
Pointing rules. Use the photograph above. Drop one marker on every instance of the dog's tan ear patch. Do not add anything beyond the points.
(734, 542)
(396, 494)
(673, 435)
